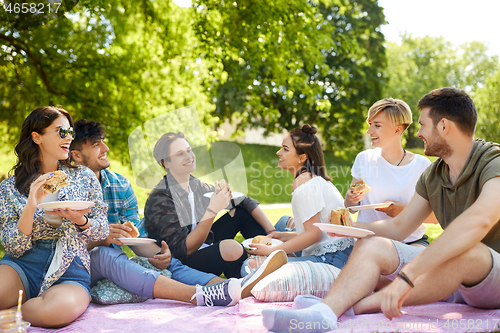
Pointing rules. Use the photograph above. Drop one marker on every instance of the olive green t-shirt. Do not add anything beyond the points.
(449, 201)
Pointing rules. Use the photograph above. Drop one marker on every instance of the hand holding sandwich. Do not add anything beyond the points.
(220, 199)
(356, 192)
(37, 194)
(117, 230)
(261, 249)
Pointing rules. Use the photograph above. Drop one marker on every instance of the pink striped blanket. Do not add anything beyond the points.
(170, 316)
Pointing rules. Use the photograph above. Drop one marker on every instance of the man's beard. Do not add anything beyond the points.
(437, 147)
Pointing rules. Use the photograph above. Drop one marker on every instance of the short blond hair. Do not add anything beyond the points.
(398, 112)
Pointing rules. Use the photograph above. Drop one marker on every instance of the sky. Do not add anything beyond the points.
(458, 21)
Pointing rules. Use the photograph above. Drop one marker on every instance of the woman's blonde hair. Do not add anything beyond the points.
(398, 112)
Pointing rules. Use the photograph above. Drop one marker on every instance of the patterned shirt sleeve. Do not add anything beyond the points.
(12, 203)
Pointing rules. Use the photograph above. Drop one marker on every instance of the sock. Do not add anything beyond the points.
(299, 321)
(305, 301)
(349, 312)
(200, 301)
(325, 310)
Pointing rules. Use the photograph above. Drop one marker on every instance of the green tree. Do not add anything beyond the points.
(487, 100)
(283, 63)
(114, 61)
(418, 65)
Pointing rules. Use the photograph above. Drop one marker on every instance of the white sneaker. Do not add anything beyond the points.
(275, 260)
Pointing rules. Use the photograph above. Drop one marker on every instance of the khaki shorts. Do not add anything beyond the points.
(486, 294)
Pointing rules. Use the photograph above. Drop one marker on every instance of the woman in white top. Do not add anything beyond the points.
(390, 170)
(313, 198)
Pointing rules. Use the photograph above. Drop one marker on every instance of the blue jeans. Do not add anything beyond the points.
(34, 263)
(113, 264)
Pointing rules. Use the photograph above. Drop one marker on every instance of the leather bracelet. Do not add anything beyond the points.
(83, 225)
(211, 211)
(406, 279)
(79, 226)
(268, 232)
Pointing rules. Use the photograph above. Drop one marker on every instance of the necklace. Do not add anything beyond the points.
(404, 154)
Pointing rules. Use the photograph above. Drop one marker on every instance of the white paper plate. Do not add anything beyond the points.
(235, 194)
(246, 243)
(372, 206)
(75, 205)
(343, 230)
(136, 241)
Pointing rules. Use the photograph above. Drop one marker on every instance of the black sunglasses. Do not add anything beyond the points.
(64, 131)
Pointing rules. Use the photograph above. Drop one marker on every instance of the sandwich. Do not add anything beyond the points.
(341, 216)
(134, 233)
(220, 185)
(56, 182)
(360, 186)
(262, 240)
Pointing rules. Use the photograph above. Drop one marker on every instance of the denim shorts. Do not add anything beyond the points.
(337, 259)
(34, 263)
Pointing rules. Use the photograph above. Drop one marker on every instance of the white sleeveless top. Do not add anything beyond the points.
(318, 196)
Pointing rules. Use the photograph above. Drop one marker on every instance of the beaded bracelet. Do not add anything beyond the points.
(406, 279)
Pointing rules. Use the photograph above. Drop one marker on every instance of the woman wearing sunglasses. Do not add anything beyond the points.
(46, 259)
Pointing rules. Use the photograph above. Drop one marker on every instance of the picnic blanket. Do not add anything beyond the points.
(171, 316)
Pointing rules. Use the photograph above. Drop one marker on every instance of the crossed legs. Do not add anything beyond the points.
(467, 269)
(376, 256)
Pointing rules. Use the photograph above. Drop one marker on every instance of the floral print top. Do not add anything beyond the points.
(84, 186)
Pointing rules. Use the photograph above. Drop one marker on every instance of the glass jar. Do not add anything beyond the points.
(9, 322)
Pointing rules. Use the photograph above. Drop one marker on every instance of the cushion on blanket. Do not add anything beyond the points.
(296, 278)
(108, 293)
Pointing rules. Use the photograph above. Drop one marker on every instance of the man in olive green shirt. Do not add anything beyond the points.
(462, 266)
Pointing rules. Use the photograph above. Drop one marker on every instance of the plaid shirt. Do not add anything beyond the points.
(120, 198)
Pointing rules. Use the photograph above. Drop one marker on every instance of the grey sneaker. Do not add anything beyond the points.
(275, 260)
(224, 293)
